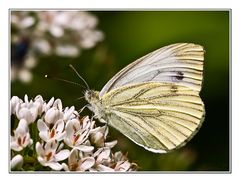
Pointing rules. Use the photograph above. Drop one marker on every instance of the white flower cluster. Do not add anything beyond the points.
(62, 140)
(62, 33)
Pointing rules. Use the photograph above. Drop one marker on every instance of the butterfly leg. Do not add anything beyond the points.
(81, 110)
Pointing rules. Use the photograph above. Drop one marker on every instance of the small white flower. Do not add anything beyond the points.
(69, 113)
(122, 163)
(89, 38)
(49, 155)
(67, 50)
(56, 31)
(25, 75)
(39, 102)
(54, 113)
(81, 24)
(16, 162)
(90, 151)
(77, 133)
(77, 162)
(41, 45)
(27, 110)
(64, 33)
(13, 103)
(98, 135)
(47, 106)
(102, 155)
(122, 166)
(111, 144)
(22, 20)
(21, 137)
(30, 61)
(54, 133)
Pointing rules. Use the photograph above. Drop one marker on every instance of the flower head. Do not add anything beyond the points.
(21, 138)
(54, 113)
(61, 131)
(50, 154)
(77, 132)
(28, 110)
(61, 33)
(13, 103)
(56, 132)
(122, 164)
(78, 162)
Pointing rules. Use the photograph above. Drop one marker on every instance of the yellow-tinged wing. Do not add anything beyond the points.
(158, 116)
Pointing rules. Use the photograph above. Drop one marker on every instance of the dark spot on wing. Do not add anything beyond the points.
(179, 75)
(174, 89)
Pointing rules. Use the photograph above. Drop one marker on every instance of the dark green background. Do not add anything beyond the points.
(130, 35)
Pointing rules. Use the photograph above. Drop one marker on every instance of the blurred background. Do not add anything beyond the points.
(99, 44)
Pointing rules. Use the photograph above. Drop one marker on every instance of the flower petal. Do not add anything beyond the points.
(39, 149)
(103, 168)
(87, 163)
(86, 122)
(59, 126)
(73, 157)
(122, 166)
(61, 136)
(24, 113)
(111, 144)
(68, 113)
(13, 102)
(53, 115)
(26, 98)
(65, 167)
(55, 165)
(41, 161)
(58, 104)
(14, 146)
(16, 162)
(104, 156)
(27, 140)
(69, 129)
(82, 138)
(63, 154)
(51, 145)
(85, 148)
(23, 126)
(34, 112)
(44, 136)
(41, 125)
(48, 105)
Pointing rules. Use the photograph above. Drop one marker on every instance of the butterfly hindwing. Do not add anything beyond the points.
(157, 116)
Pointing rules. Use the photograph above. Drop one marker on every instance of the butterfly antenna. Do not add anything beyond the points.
(71, 66)
(63, 80)
(79, 98)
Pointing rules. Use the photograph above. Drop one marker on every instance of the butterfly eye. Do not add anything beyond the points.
(88, 95)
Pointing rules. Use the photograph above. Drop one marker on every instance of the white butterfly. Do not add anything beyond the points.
(155, 101)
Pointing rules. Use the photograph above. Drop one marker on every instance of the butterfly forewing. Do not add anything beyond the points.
(157, 116)
(180, 63)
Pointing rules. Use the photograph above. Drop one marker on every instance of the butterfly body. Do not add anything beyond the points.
(92, 97)
(155, 100)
